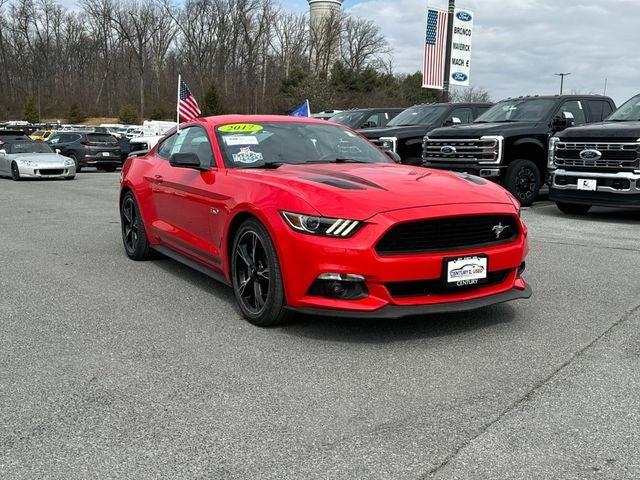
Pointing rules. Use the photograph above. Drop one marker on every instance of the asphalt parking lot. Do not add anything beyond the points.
(116, 369)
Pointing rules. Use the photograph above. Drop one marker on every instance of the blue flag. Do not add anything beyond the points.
(302, 110)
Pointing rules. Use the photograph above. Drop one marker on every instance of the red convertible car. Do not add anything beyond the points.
(302, 215)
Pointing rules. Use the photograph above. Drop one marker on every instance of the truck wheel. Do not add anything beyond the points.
(573, 208)
(523, 181)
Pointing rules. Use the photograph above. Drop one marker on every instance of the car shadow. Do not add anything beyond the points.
(596, 214)
(349, 330)
(387, 331)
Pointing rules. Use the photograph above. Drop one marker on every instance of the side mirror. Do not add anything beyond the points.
(393, 156)
(452, 121)
(567, 120)
(185, 160)
(368, 125)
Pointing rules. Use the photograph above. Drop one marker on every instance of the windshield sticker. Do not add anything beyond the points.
(246, 155)
(240, 128)
(235, 140)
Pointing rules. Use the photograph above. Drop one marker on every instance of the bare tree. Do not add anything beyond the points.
(471, 95)
(362, 44)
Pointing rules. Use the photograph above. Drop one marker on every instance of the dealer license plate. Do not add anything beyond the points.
(466, 271)
(105, 154)
(589, 185)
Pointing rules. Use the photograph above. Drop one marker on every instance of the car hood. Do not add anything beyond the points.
(40, 158)
(620, 131)
(398, 132)
(359, 191)
(477, 130)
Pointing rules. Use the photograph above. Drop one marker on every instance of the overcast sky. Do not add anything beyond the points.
(520, 44)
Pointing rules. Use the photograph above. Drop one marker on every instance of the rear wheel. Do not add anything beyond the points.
(573, 208)
(15, 172)
(134, 236)
(256, 275)
(523, 180)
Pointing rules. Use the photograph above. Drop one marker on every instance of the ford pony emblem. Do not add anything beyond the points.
(499, 229)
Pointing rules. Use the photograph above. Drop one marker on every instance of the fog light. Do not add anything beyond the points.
(521, 268)
(339, 285)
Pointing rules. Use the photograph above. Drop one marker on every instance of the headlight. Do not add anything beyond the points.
(389, 143)
(327, 227)
(68, 162)
(491, 149)
(553, 143)
(26, 163)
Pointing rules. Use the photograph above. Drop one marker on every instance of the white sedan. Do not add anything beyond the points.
(29, 159)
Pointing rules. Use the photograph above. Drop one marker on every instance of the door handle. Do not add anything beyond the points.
(158, 179)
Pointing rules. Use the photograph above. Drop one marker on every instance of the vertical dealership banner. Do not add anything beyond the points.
(435, 49)
(461, 47)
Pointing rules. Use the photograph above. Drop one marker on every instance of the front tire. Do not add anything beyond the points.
(256, 276)
(75, 160)
(523, 180)
(573, 208)
(15, 172)
(134, 236)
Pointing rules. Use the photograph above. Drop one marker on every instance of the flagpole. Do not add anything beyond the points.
(178, 104)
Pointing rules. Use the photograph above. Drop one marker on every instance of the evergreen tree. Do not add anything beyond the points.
(74, 114)
(31, 111)
(211, 104)
(129, 115)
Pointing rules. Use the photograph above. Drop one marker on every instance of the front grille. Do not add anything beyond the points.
(421, 288)
(614, 155)
(51, 171)
(461, 150)
(445, 234)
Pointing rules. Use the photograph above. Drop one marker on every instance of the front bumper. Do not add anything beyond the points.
(304, 258)
(485, 171)
(48, 171)
(619, 189)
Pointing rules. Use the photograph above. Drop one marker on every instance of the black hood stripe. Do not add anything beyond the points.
(333, 182)
(347, 177)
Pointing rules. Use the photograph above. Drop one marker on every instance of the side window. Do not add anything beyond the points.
(194, 140)
(575, 108)
(599, 110)
(374, 120)
(482, 109)
(465, 114)
(165, 148)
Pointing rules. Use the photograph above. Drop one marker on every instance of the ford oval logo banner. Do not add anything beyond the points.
(590, 154)
(448, 150)
(459, 77)
(464, 16)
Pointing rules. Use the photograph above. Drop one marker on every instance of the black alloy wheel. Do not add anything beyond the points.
(256, 276)
(75, 160)
(134, 237)
(15, 172)
(523, 181)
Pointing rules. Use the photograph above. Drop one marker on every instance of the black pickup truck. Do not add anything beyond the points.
(404, 133)
(598, 164)
(510, 142)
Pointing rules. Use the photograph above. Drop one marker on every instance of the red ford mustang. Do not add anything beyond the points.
(302, 215)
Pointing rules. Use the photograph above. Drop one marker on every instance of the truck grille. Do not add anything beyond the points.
(445, 234)
(461, 150)
(614, 155)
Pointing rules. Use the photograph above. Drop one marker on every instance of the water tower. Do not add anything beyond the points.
(321, 10)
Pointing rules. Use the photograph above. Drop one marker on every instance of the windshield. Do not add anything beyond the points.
(628, 112)
(256, 145)
(518, 110)
(350, 119)
(29, 147)
(421, 115)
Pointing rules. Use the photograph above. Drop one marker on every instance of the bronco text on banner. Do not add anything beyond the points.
(461, 47)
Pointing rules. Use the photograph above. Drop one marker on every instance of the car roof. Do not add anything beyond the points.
(226, 119)
(558, 97)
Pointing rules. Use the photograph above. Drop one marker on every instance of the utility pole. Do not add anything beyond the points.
(562, 75)
(606, 80)
(447, 61)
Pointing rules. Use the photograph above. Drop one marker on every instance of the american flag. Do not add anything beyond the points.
(188, 107)
(435, 49)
